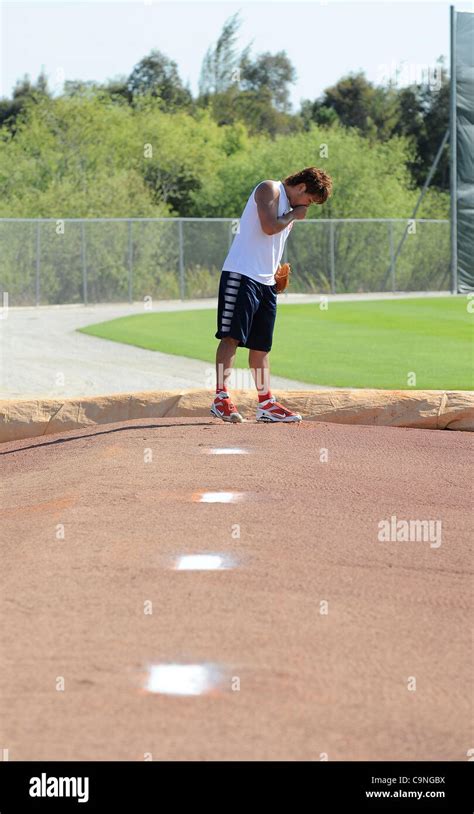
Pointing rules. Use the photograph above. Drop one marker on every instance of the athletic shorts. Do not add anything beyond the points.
(246, 311)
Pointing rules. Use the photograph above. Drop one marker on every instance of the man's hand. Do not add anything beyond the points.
(266, 198)
(299, 212)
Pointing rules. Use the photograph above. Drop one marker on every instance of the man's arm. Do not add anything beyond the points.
(266, 198)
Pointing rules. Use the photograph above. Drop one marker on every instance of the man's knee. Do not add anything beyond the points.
(229, 340)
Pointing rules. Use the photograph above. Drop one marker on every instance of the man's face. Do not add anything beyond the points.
(299, 197)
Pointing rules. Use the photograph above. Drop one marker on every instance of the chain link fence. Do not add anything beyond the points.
(49, 261)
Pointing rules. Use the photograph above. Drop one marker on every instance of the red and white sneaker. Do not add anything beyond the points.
(222, 407)
(271, 410)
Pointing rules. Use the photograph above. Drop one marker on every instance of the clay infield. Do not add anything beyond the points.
(307, 635)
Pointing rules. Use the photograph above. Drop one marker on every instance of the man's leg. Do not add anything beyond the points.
(222, 406)
(225, 358)
(239, 299)
(269, 409)
(259, 364)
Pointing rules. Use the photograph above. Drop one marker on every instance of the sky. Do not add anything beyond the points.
(324, 40)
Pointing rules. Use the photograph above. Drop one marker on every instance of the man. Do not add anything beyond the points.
(247, 291)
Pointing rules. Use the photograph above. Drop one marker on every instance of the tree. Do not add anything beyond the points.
(158, 76)
(436, 120)
(79, 87)
(256, 110)
(419, 111)
(237, 88)
(220, 65)
(272, 72)
(25, 88)
(384, 112)
(23, 91)
(252, 108)
(424, 118)
(356, 102)
(316, 113)
(118, 90)
(351, 98)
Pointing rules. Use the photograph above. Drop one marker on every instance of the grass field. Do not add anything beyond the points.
(351, 344)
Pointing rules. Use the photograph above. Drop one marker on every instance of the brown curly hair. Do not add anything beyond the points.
(318, 182)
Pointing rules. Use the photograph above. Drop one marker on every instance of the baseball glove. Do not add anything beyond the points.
(282, 277)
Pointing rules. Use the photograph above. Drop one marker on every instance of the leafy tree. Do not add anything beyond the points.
(78, 87)
(115, 89)
(255, 91)
(269, 72)
(371, 180)
(118, 90)
(254, 109)
(383, 114)
(220, 65)
(158, 76)
(419, 111)
(186, 151)
(23, 91)
(74, 157)
(317, 113)
(351, 98)
(356, 102)
(424, 118)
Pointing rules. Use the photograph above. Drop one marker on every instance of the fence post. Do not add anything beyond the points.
(181, 260)
(130, 263)
(331, 257)
(453, 154)
(392, 256)
(231, 236)
(38, 262)
(84, 263)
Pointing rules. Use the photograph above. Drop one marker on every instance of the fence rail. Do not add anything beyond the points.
(96, 260)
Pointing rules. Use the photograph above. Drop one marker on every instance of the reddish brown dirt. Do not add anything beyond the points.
(311, 683)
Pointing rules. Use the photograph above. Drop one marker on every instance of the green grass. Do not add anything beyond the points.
(351, 344)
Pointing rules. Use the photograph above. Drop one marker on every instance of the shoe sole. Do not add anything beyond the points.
(289, 420)
(229, 419)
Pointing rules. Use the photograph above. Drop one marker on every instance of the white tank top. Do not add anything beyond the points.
(253, 253)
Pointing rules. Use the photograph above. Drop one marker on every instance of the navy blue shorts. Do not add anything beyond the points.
(246, 311)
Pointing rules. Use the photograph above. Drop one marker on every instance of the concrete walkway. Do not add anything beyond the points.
(41, 353)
